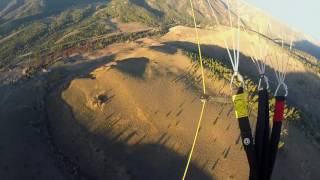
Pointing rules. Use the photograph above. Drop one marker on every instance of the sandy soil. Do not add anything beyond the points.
(129, 112)
(140, 98)
(145, 101)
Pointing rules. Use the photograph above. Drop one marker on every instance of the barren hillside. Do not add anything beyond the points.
(145, 96)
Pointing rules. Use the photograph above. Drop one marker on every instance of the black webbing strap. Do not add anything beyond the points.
(276, 132)
(241, 110)
(262, 133)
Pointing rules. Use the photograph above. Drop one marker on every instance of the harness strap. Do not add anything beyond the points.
(279, 109)
(262, 133)
(240, 101)
(276, 131)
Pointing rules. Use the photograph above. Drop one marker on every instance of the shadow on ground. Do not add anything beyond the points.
(133, 66)
(299, 83)
(102, 155)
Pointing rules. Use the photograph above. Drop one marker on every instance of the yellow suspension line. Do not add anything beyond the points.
(194, 141)
(204, 91)
(199, 48)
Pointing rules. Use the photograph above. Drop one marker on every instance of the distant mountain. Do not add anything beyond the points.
(252, 17)
(11, 10)
(16, 13)
(309, 47)
(257, 20)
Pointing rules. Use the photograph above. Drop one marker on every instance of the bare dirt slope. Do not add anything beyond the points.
(146, 100)
(134, 118)
(129, 111)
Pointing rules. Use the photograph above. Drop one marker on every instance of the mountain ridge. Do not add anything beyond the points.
(19, 13)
